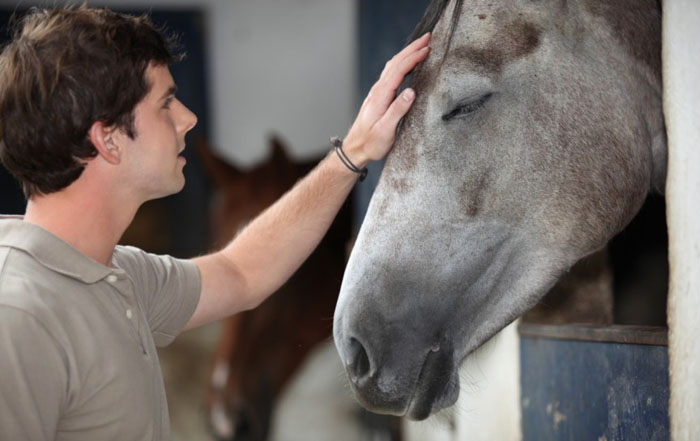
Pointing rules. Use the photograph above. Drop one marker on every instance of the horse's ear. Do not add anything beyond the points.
(278, 151)
(221, 173)
(284, 167)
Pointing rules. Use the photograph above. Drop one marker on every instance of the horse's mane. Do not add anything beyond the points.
(427, 24)
(432, 16)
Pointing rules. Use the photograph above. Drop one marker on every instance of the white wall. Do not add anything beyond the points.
(681, 32)
(285, 66)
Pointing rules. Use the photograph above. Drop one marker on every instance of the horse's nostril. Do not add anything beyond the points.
(358, 361)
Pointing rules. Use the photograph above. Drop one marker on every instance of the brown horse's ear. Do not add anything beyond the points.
(282, 164)
(278, 151)
(221, 173)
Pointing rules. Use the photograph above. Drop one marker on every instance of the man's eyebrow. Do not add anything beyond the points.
(170, 92)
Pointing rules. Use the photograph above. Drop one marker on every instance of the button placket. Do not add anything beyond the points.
(125, 288)
(138, 319)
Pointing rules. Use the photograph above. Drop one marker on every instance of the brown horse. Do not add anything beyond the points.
(259, 350)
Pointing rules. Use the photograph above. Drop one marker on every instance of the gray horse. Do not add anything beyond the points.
(536, 135)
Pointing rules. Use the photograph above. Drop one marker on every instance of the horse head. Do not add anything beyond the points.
(536, 134)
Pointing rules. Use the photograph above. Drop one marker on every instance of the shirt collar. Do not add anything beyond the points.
(49, 250)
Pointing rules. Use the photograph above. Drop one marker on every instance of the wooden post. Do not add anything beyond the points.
(681, 64)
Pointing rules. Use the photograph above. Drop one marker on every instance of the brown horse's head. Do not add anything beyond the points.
(259, 350)
(536, 134)
(240, 195)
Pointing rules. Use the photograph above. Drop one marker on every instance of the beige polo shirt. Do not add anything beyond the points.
(78, 339)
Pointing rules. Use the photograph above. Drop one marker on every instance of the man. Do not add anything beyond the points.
(91, 128)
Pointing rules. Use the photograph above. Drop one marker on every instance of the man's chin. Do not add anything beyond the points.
(179, 187)
(174, 188)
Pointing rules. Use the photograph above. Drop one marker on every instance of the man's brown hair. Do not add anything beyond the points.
(64, 70)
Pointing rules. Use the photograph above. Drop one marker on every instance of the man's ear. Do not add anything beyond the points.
(105, 140)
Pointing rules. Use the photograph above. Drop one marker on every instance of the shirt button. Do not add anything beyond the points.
(129, 314)
(111, 278)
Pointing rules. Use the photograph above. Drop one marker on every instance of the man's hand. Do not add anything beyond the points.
(372, 134)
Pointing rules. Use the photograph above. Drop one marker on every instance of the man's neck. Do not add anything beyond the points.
(90, 222)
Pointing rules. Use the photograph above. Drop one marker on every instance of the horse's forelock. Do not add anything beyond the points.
(427, 24)
(432, 16)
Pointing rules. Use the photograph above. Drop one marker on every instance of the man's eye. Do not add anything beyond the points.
(168, 101)
(467, 108)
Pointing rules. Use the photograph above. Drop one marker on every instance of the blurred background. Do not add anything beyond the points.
(295, 69)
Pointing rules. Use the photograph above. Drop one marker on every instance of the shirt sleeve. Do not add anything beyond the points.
(168, 288)
(34, 381)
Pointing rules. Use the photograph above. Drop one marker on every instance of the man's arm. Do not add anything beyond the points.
(259, 260)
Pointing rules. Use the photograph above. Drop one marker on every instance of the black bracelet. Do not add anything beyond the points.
(338, 147)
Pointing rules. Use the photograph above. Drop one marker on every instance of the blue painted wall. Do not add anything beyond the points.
(577, 390)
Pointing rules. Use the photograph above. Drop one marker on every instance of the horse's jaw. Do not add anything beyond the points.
(405, 321)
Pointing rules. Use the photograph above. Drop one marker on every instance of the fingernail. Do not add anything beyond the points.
(409, 94)
(425, 49)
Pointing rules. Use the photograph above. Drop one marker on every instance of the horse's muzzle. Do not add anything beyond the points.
(400, 380)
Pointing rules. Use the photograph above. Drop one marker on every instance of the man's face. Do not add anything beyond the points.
(153, 162)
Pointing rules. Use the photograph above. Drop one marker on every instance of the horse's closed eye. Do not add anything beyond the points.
(466, 108)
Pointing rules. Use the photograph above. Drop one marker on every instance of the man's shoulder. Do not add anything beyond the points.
(136, 262)
(26, 285)
(151, 268)
(20, 271)
(128, 254)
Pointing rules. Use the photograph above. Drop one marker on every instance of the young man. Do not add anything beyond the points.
(91, 128)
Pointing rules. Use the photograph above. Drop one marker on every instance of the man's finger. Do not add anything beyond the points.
(395, 78)
(390, 120)
(385, 89)
(417, 43)
(415, 46)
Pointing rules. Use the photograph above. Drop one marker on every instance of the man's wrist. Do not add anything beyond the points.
(355, 161)
(355, 152)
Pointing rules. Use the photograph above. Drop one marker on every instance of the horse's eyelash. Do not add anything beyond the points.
(467, 108)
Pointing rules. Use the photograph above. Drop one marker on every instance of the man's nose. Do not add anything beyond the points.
(188, 119)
